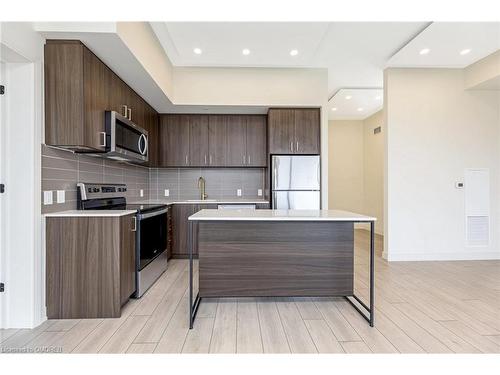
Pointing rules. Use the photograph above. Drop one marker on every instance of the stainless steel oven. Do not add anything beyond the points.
(151, 247)
(125, 141)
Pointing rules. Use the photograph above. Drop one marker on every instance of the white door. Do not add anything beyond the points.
(3, 127)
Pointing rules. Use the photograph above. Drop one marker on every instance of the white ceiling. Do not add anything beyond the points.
(445, 41)
(355, 104)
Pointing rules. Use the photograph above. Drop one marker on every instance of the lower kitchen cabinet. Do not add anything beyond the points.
(90, 266)
(180, 226)
(180, 230)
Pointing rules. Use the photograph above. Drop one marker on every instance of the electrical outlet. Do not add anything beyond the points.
(259, 192)
(167, 192)
(47, 197)
(238, 192)
(141, 192)
(61, 196)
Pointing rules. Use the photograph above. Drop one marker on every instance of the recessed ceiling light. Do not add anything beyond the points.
(348, 97)
(294, 52)
(360, 109)
(424, 51)
(246, 51)
(334, 109)
(197, 51)
(465, 51)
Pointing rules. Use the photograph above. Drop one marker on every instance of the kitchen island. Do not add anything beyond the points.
(277, 253)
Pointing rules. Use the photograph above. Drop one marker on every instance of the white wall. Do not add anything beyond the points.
(435, 129)
(373, 169)
(24, 260)
(356, 167)
(346, 170)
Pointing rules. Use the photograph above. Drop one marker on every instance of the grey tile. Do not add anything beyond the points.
(91, 159)
(112, 179)
(68, 205)
(50, 162)
(90, 167)
(91, 177)
(59, 185)
(59, 174)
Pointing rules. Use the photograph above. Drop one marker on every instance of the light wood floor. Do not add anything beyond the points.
(432, 307)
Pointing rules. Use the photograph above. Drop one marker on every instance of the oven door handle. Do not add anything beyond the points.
(151, 214)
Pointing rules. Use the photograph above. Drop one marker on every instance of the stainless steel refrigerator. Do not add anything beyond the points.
(295, 182)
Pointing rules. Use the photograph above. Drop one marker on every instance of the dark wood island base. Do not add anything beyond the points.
(276, 256)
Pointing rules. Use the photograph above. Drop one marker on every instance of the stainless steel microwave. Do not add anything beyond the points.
(125, 141)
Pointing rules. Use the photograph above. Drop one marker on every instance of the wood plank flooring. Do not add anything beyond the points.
(433, 307)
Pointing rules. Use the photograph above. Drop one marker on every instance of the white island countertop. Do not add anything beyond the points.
(90, 213)
(278, 215)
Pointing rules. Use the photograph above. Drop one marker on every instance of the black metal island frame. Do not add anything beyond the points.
(277, 253)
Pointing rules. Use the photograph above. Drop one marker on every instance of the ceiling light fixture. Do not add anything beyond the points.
(348, 97)
(246, 51)
(197, 51)
(360, 109)
(294, 52)
(465, 51)
(334, 109)
(424, 51)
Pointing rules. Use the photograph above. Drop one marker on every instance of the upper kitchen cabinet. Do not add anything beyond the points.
(246, 141)
(212, 141)
(173, 146)
(76, 96)
(256, 134)
(79, 88)
(294, 131)
(198, 141)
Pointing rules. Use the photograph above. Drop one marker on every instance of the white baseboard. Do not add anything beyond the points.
(472, 255)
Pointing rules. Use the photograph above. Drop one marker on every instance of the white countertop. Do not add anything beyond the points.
(206, 201)
(90, 213)
(278, 215)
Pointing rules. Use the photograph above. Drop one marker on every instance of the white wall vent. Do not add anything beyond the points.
(477, 207)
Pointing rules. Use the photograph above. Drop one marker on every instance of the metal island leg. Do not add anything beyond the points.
(193, 306)
(370, 316)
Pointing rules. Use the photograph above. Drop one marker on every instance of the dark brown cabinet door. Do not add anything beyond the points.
(198, 141)
(151, 125)
(127, 257)
(307, 131)
(96, 100)
(236, 141)
(256, 142)
(174, 140)
(180, 229)
(217, 138)
(281, 131)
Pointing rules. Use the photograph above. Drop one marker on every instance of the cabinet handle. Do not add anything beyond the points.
(297, 146)
(134, 219)
(186, 159)
(130, 114)
(210, 159)
(243, 159)
(125, 110)
(248, 159)
(103, 144)
(205, 159)
(291, 146)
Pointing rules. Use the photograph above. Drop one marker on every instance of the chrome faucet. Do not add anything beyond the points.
(201, 186)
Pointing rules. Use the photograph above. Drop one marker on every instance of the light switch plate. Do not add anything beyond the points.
(238, 192)
(141, 192)
(47, 197)
(167, 192)
(61, 196)
(259, 192)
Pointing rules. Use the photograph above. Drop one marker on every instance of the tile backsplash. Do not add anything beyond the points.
(220, 183)
(62, 170)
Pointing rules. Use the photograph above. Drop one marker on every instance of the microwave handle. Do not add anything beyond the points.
(139, 143)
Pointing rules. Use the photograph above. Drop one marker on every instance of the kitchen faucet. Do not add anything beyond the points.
(201, 186)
